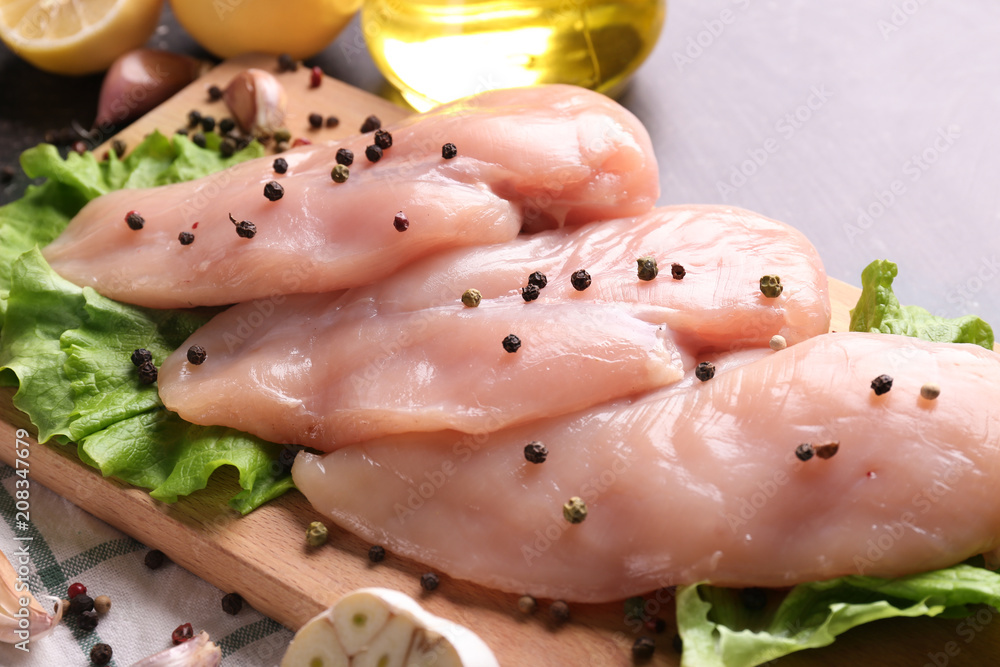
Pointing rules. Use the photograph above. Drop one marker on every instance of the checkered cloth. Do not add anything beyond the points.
(69, 545)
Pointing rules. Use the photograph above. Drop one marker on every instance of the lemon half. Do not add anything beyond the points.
(76, 36)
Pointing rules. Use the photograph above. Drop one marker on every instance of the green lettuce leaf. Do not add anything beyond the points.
(879, 311)
(68, 349)
(719, 631)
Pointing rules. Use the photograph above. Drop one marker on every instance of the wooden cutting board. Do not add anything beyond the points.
(262, 555)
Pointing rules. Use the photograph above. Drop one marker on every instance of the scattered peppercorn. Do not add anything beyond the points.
(232, 603)
(147, 373)
(677, 271)
(244, 229)
(100, 654)
(214, 93)
(282, 134)
(154, 559)
(332, 121)
(75, 589)
(429, 581)
(274, 191)
(930, 391)
(227, 147)
(647, 268)
(770, 286)
(315, 121)
(535, 452)
(530, 292)
(678, 644)
(575, 510)
(87, 621)
(401, 222)
(317, 534)
(286, 63)
(471, 297)
(102, 604)
(207, 123)
(194, 118)
(119, 147)
(778, 343)
(198, 139)
(635, 607)
(643, 648)
(315, 77)
(559, 611)
(538, 279)
(345, 156)
(705, 371)
(753, 599)
(383, 139)
(182, 633)
(196, 355)
(280, 165)
(804, 451)
(141, 356)
(286, 457)
(376, 553)
(882, 384)
(373, 153)
(340, 174)
(371, 123)
(80, 603)
(527, 605)
(448, 151)
(827, 450)
(511, 343)
(227, 125)
(134, 221)
(281, 147)
(580, 280)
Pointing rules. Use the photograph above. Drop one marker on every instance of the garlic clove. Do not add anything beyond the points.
(197, 652)
(140, 80)
(21, 615)
(385, 628)
(257, 101)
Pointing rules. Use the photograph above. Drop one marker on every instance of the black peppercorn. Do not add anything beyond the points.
(154, 559)
(804, 452)
(535, 452)
(244, 229)
(401, 222)
(80, 603)
(882, 384)
(376, 553)
(538, 279)
(511, 343)
(286, 457)
(580, 280)
(134, 221)
(87, 621)
(826, 450)
(100, 654)
(383, 139)
(186, 238)
(198, 139)
(448, 151)
(118, 147)
(147, 373)
(286, 63)
(429, 581)
(371, 123)
(643, 648)
(647, 269)
(373, 153)
(280, 165)
(559, 611)
(705, 371)
(227, 125)
(345, 156)
(214, 93)
(141, 356)
(530, 292)
(196, 355)
(274, 191)
(753, 599)
(677, 271)
(315, 121)
(227, 147)
(194, 118)
(678, 644)
(6, 174)
(332, 121)
(232, 603)
(207, 123)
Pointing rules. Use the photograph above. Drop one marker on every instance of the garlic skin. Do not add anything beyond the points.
(19, 623)
(197, 652)
(140, 80)
(257, 101)
(378, 627)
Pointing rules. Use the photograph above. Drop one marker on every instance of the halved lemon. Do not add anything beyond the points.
(76, 36)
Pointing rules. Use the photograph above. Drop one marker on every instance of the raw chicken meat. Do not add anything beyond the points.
(530, 158)
(404, 355)
(700, 481)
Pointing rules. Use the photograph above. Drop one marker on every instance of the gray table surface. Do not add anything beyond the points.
(868, 124)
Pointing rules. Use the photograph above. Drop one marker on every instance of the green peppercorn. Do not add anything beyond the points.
(643, 649)
(635, 607)
(882, 384)
(273, 191)
(930, 391)
(530, 292)
(317, 534)
(376, 553)
(196, 355)
(371, 123)
(448, 151)
(575, 510)
(527, 605)
(827, 450)
(244, 229)
(705, 371)
(511, 343)
(340, 174)
(580, 280)
(535, 452)
(647, 268)
(471, 297)
(345, 156)
(282, 134)
(383, 139)
(429, 581)
(804, 452)
(770, 286)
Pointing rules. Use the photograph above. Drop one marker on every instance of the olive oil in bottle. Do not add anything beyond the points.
(436, 51)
